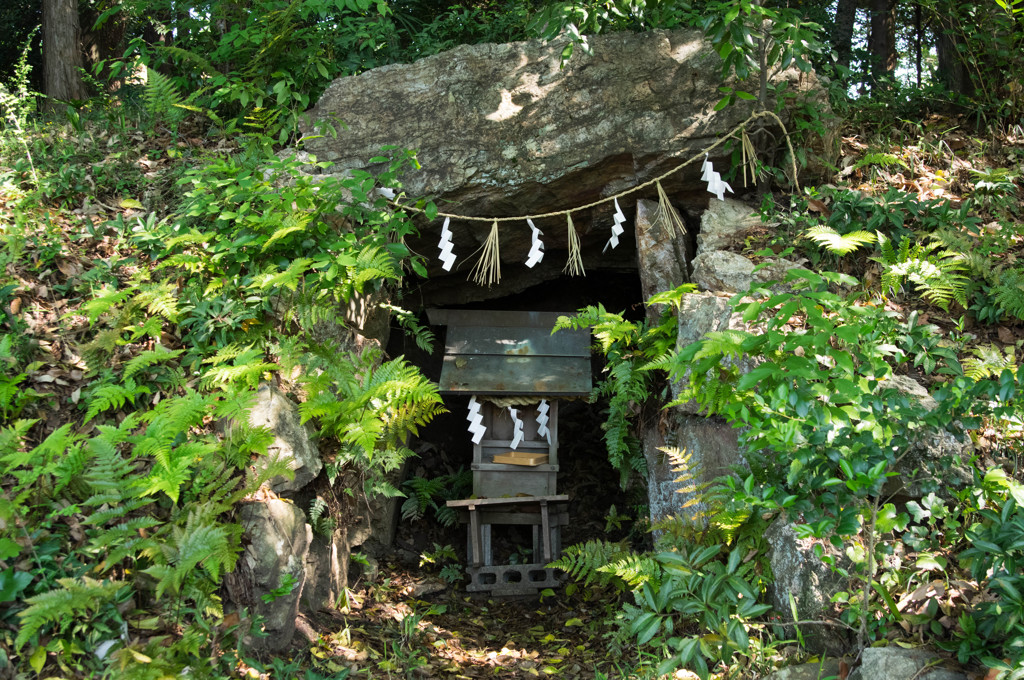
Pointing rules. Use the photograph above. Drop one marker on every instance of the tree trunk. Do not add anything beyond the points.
(842, 33)
(103, 43)
(918, 39)
(882, 41)
(952, 70)
(62, 52)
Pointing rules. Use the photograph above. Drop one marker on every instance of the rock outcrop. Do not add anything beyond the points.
(896, 663)
(273, 565)
(504, 130)
(292, 441)
(799, 573)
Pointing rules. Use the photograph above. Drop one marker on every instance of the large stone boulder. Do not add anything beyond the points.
(935, 458)
(725, 225)
(292, 441)
(896, 663)
(713, 449)
(799, 573)
(505, 130)
(278, 542)
(661, 252)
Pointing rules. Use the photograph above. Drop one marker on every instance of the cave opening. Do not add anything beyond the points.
(598, 507)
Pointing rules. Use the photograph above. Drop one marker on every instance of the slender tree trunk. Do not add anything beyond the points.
(842, 34)
(882, 41)
(918, 38)
(102, 43)
(952, 69)
(62, 51)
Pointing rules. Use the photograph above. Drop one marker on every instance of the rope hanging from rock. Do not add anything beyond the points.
(487, 270)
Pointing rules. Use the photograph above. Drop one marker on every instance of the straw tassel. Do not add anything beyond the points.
(487, 270)
(667, 213)
(574, 265)
(749, 157)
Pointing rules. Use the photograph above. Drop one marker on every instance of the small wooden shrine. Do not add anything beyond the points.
(514, 371)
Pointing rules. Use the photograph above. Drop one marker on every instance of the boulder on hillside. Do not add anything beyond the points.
(725, 224)
(896, 663)
(278, 541)
(662, 256)
(799, 573)
(292, 441)
(505, 130)
(935, 459)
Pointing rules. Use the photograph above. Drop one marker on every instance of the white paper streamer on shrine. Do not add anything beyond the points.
(542, 420)
(476, 421)
(619, 218)
(446, 256)
(517, 427)
(715, 184)
(386, 193)
(536, 253)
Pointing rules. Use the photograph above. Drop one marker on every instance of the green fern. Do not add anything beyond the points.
(108, 298)
(936, 274)
(1008, 292)
(293, 223)
(149, 358)
(881, 159)
(63, 605)
(247, 370)
(289, 278)
(200, 544)
(373, 264)
(107, 397)
(586, 561)
(634, 569)
(371, 409)
(319, 517)
(161, 298)
(161, 97)
(988, 361)
(836, 243)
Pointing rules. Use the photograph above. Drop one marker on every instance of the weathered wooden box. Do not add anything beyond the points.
(493, 479)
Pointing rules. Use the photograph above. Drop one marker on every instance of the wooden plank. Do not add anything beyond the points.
(521, 458)
(474, 529)
(512, 500)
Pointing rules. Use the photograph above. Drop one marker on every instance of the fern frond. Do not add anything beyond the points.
(107, 299)
(288, 278)
(161, 298)
(1008, 293)
(373, 264)
(988, 361)
(107, 397)
(62, 605)
(160, 95)
(836, 243)
(634, 569)
(584, 561)
(149, 358)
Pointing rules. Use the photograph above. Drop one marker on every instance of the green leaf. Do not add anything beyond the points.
(929, 562)
(723, 102)
(745, 95)
(8, 549)
(38, 659)
(645, 627)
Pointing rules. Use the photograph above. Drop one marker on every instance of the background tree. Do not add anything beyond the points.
(882, 40)
(62, 52)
